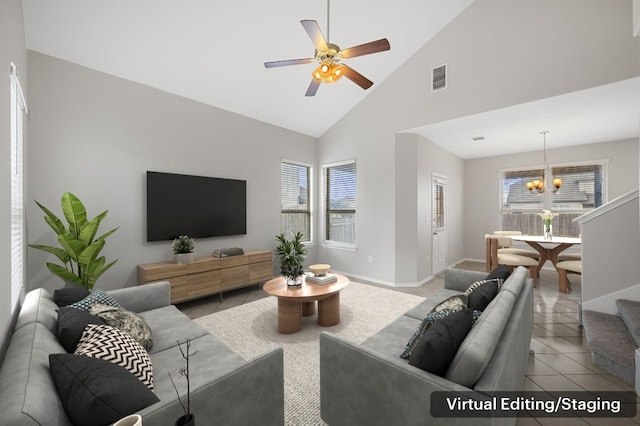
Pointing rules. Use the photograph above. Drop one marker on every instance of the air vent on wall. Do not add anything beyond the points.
(439, 78)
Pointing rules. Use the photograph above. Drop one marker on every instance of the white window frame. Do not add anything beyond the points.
(325, 209)
(547, 198)
(308, 240)
(18, 111)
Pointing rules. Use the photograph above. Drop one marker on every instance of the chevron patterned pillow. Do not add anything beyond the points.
(110, 344)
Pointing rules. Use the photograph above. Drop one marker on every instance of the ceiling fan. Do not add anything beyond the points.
(329, 56)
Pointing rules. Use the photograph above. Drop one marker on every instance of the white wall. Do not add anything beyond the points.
(610, 247)
(12, 49)
(499, 53)
(482, 182)
(417, 159)
(96, 135)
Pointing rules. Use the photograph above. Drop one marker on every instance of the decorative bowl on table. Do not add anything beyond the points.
(319, 269)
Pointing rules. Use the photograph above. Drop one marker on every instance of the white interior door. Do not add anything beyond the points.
(439, 234)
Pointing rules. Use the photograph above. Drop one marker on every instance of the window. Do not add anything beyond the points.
(295, 199)
(583, 189)
(340, 203)
(18, 109)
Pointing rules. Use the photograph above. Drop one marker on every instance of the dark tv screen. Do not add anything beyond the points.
(196, 206)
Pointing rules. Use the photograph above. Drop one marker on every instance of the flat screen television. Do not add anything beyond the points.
(196, 206)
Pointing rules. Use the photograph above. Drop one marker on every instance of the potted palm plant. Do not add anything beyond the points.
(80, 249)
(183, 249)
(292, 253)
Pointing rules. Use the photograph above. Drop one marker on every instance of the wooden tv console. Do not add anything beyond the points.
(209, 275)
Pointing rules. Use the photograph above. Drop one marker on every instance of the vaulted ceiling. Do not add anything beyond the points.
(214, 52)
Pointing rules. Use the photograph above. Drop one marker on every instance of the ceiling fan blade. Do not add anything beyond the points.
(274, 64)
(356, 77)
(366, 49)
(313, 87)
(313, 29)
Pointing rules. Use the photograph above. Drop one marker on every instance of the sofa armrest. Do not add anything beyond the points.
(460, 279)
(144, 297)
(359, 386)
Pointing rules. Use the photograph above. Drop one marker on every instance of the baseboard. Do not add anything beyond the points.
(607, 303)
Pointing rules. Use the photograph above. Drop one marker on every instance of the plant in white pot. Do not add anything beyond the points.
(183, 249)
(292, 253)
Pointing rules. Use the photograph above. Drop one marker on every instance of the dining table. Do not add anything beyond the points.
(549, 249)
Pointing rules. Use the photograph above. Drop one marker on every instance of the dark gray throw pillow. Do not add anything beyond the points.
(95, 392)
(70, 293)
(501, 272)
(483, 294)
(71, 324)
(428, 321)
(439, 344)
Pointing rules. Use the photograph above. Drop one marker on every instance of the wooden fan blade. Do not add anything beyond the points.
(274, 64)
(313, 29)
(356, 77)
(366, 49)
(313, 87)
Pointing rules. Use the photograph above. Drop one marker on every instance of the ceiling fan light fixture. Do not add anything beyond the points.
(329, 73)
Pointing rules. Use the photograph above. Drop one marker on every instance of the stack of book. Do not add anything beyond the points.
(321, 279)
(233, 251)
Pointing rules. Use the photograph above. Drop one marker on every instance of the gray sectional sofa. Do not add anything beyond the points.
(226, 389)
(370, 384)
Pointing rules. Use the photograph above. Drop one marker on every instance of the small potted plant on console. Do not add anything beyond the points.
(183, 250)
(292, 253)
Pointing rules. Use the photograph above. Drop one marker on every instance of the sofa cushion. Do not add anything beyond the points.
(127, 321)
(70, 293)
(71, 324)
(481, 293)
(95, 392)
(109, 343)
(440, 342)
(426, 306)
(98, 296)
(169, 325)
(477, 348)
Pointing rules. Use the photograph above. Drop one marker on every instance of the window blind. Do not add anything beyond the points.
(340, 203)
(295, 199)
(18, 108)
(583, 188)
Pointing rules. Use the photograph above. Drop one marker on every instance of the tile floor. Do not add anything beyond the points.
(559, 361)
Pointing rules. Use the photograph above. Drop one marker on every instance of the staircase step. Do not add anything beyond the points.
(630, 314)
(611, 344)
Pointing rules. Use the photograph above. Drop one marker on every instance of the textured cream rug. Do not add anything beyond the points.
(251, 330)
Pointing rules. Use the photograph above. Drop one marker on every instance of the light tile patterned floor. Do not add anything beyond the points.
(559, 359)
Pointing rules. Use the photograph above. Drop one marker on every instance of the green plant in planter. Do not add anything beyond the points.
(292, 253)
(80, 248)
(183, 244)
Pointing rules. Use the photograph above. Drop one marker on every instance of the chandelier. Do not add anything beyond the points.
(538, 186)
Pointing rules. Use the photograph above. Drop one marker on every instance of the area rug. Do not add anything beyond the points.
(251, 330)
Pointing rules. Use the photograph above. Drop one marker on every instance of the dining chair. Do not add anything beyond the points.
(494, 258)
(504, 245)
(567, 267)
